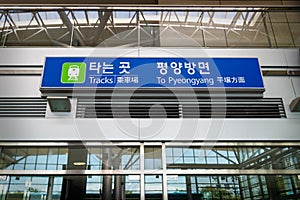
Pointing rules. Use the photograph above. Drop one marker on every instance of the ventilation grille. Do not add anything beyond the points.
(236, 108)
(203, 108)
(22, 107)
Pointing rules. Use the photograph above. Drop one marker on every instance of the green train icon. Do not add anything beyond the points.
(73, 72)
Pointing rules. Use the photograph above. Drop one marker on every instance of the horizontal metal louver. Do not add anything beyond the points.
(164, 108)
(236, 108)
(23, 107)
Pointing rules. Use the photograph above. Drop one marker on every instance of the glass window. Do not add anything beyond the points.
(153, 158)
(125, 158)
(153, 186)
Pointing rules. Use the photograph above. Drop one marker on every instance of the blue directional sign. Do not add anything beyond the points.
(124, 72)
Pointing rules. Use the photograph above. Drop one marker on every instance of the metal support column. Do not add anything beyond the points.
(271, 181)
(118, 180)
(50, 188)
(188, 187)
(107, 179)
(164, 166)
(142, 166)
(123, 196)
(138, 28)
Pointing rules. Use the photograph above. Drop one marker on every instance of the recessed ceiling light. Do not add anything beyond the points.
(79, 163)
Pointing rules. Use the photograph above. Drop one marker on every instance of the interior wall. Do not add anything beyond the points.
(12, 129)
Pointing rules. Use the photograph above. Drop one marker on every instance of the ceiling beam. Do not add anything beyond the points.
(75, 2)
(96, 38)
(70, 27)
(258, 157)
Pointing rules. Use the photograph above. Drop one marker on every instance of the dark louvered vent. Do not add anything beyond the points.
(235, 108)
(164, 108)
(22, 107)
(126, 110)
